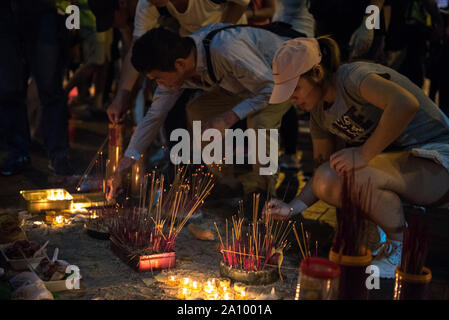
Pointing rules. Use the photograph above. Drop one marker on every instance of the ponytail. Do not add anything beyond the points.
(330, 54)
(330, 60)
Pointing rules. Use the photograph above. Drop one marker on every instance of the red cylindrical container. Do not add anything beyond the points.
(318, 280)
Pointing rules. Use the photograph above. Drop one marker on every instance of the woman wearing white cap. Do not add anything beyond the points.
(399, 138)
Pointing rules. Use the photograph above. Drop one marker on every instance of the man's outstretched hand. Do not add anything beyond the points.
(116, 111)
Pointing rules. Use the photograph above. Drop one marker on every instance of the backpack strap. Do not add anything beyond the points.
(280, 28)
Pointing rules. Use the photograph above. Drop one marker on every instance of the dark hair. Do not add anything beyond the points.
(158, 49)
(330, 60)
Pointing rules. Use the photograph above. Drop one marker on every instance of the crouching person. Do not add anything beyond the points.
(399, 137)
(232, 69)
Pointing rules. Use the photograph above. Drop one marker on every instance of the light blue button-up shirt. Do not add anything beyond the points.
(242, 62)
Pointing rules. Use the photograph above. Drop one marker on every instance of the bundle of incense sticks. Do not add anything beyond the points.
(415, 246)
(350, 238)
(145, 229)
(305, 247)
(192, 181)
(253, 246)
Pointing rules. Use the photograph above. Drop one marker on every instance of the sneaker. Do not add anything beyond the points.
(289, 161)
(14, 164)
(388, 258)
(60, 165)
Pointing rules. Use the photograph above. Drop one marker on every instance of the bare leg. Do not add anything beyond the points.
(393, 176)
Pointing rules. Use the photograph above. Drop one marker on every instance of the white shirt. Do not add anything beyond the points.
(199, 13)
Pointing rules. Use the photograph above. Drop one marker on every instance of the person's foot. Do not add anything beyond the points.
(388, 258)
(289, 161)
(14, 164)
(60, 165)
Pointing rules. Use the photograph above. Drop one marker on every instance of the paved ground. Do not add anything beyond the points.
(107, 277)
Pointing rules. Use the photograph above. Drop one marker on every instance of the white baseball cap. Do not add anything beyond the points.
(294, 58)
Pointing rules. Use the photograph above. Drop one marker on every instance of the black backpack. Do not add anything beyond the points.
(280, 28)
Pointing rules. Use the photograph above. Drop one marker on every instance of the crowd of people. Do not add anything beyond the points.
(260, 64)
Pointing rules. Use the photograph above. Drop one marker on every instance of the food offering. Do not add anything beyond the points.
(20, 254)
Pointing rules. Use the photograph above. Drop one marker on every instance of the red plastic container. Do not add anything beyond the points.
(143, 263)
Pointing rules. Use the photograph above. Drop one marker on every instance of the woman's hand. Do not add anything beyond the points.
(277, 209)
(348, 159)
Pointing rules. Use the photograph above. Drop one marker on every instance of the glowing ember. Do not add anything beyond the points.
(59, 220)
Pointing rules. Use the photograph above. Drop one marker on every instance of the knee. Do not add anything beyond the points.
(326, 184)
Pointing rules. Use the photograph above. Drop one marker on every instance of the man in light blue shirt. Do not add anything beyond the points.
(241, 60)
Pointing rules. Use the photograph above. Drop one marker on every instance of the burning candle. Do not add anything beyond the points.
(228, 296)
(172, 281)
(59, 220)
(223, 285)
(209, 288)
(224, 282)
(195, 286)
(185, 283)
(241, 295)
(223, 290)
(212, 282)
(213, 296)
(184, 293)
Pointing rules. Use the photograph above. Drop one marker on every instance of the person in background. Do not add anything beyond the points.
(96, 43)
(260, 12)
(397, 139)
(297, 14)
(191, 15)
(32, 36)
(344, 21)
